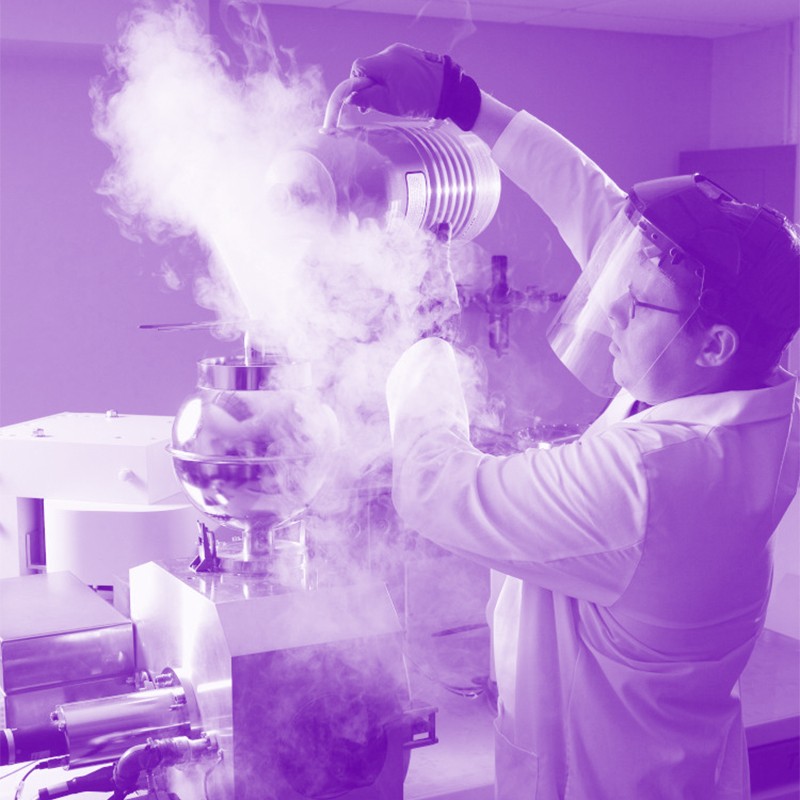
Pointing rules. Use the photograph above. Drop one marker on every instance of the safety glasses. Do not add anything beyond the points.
(635, 303)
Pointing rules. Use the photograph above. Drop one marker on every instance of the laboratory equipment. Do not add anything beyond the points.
(91, 493)
(256, 676)
(422, 173)
(500, 301)
(251, 448)
(253, 677)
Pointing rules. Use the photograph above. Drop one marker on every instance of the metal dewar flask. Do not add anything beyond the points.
(424, 173)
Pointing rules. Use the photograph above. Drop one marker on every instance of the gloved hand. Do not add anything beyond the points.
(408, 82)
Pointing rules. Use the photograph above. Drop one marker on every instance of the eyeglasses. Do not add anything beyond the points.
(636, 303)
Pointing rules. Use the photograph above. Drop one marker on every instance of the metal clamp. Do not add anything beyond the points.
(207, 559)
(422, 727)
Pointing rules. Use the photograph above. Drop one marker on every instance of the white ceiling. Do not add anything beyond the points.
(704, 18)
(95, 21)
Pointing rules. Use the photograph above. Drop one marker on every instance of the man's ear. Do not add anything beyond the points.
(718, 345)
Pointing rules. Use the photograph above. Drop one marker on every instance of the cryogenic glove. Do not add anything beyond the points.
(408, 82)
(423, 391)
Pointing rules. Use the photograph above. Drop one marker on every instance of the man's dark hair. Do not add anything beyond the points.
(760, 299)
(740, 262)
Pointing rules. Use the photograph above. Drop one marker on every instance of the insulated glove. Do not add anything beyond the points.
(408, 82)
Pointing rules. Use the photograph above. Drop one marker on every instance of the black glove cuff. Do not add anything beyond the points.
(460, 100)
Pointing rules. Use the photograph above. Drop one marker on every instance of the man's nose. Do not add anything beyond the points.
(618, 312)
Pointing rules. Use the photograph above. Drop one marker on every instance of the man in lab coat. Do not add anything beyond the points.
(637, 557)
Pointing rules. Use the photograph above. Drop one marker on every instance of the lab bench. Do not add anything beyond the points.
(461, 765)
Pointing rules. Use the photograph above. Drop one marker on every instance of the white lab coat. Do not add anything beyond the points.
(638, 557)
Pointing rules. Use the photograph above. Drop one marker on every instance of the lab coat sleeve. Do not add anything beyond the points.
(564, 182)
(569, 519)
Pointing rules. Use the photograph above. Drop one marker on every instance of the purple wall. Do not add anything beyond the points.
(74, 290)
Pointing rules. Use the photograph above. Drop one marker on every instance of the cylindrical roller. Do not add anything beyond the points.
(103, 729)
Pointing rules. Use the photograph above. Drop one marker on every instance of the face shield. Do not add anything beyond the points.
(627, 269)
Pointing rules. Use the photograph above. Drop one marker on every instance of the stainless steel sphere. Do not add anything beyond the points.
(252, 446)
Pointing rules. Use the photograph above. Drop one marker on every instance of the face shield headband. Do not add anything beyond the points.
(626, 265)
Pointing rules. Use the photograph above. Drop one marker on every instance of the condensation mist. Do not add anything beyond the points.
(202, 153)
(201, 150)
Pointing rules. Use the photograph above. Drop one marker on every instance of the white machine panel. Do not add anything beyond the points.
(99, 458)
(100, 542)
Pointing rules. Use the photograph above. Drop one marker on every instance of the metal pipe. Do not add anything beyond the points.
(158, 753)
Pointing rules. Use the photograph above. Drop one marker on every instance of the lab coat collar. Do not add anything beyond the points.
(720, 408)
(731, 408)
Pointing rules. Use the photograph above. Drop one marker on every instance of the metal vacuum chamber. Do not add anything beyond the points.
(304, 692)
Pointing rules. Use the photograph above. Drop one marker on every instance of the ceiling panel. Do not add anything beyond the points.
(96, 20)
(533, 5)
(628, 23)
(736, 12)
(455, 9)
(704, 18)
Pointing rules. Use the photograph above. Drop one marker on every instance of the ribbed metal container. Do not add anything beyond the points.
(422, 173)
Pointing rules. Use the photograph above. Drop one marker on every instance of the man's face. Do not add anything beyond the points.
(654, 356)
